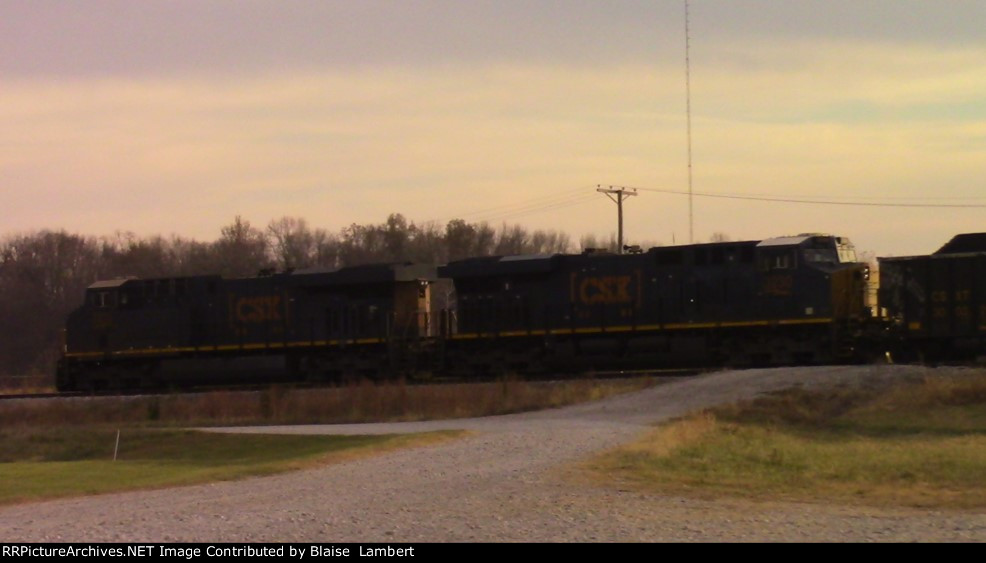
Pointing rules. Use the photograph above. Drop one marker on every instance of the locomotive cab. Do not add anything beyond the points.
(821, 270)
(821, 252)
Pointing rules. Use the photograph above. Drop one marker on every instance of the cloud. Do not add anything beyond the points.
(166, 154)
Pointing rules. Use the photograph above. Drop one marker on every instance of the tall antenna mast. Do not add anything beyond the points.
(688, 111)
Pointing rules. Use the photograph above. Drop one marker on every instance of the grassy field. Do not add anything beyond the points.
(64, 447)
(917, 444)
(58, 462)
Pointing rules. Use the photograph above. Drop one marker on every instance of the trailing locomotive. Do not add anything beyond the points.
(203, 330)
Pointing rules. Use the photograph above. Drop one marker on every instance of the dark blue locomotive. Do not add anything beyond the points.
(779, 301)
(142, 333)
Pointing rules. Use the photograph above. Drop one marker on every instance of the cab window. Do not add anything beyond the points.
(780, 261)
(104, 299)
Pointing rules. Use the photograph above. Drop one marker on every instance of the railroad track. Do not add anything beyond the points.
(14, 396)
(546, 378)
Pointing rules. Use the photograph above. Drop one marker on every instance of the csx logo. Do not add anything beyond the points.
(602, 290)
(258, 309)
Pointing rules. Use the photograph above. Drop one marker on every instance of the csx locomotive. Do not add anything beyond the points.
(203, 330)
(780, 301)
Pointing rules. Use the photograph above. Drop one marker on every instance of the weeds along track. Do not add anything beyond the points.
(358, 402)
(553, 378)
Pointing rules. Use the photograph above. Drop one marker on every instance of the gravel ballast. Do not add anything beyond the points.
(506, 481)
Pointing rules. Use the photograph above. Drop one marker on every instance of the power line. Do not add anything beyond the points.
(540, 204)
(818, 201)
(581, 195)
(878, 198)
(505, 207)
(541, 208)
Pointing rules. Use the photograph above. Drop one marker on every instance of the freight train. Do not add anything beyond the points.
(780, 301)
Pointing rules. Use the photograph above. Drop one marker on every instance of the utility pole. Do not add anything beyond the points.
(621, 194)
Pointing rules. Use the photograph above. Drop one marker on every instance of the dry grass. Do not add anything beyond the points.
(37, 464)
(670, 438)
(915, 444)
(359, 402)
(62, 447)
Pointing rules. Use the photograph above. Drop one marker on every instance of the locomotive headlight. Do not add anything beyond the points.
(866, 273)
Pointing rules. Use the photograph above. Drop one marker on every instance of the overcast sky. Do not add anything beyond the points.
(163, 117)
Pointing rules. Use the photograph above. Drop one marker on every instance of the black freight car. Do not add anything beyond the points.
(202, 330)
(936, 304)
(786, 300)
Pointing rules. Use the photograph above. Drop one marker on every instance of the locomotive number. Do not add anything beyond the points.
(258, 309)
(780, 286)
(102, 321)
(960, 296)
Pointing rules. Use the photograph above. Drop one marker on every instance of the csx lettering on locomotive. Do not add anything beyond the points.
(603, 290)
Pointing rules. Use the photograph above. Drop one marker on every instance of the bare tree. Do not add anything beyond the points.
(549, 242)
(592, 241)
(511, 240)
(292, 243)
(397, 233)
(241, 250)
(42, 277)
(485, 241)
(460, 239)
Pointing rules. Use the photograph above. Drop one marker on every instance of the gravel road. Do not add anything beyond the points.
(505, 482)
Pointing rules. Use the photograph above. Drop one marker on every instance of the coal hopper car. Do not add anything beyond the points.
(936, 304)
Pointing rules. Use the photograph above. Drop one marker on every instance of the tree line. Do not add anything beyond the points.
(44, 274)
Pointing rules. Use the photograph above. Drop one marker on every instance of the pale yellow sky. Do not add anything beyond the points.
(837, 118)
